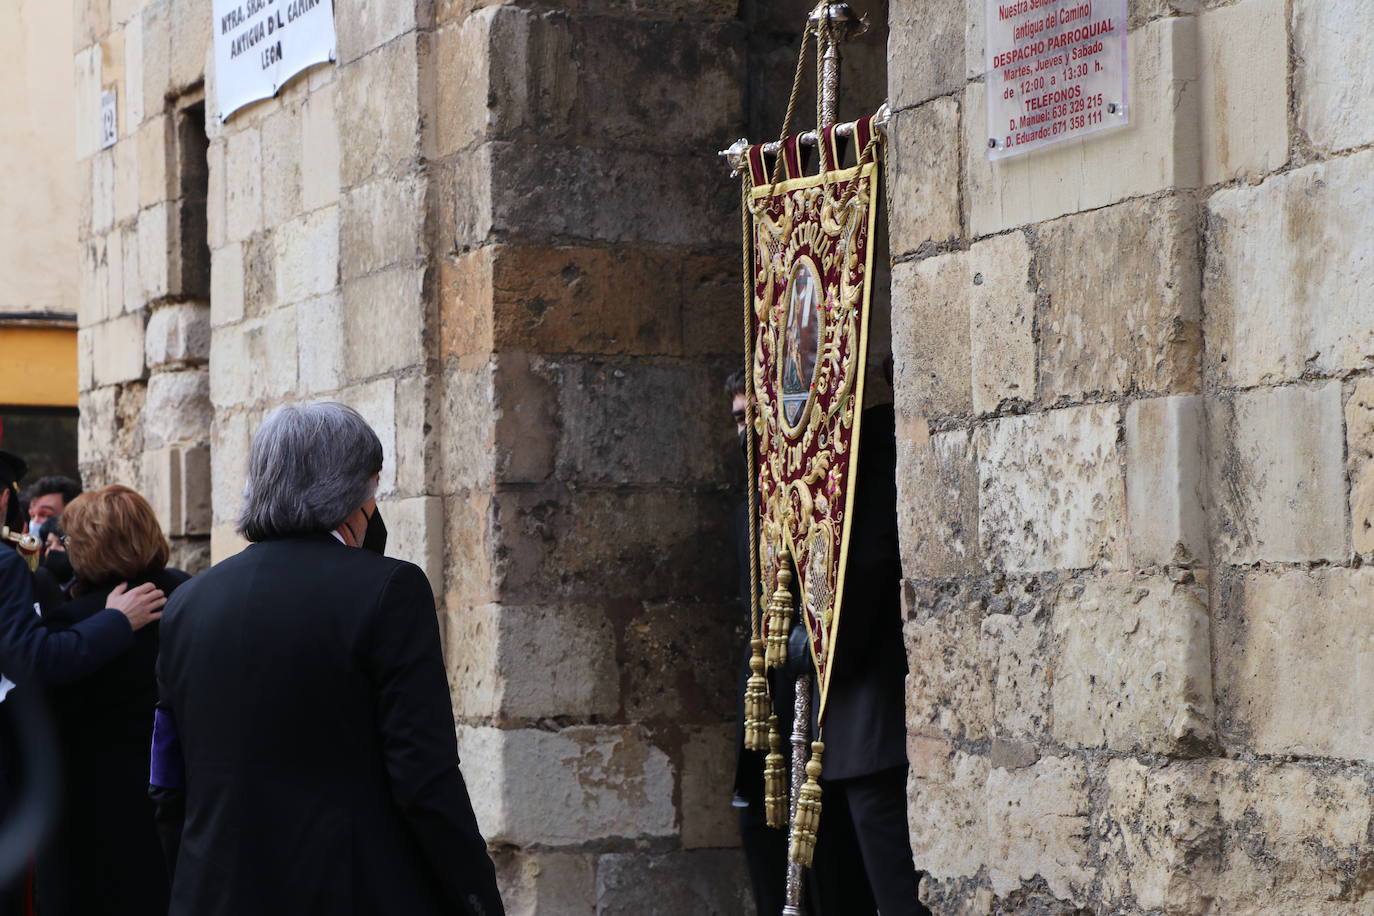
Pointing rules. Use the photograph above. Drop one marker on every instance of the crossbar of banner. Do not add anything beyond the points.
(734, 156)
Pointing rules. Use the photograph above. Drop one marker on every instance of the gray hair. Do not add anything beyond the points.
(311, 467)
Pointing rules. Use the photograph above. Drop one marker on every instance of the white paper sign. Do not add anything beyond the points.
(260, 44)
(1056, 71)
(109, 120)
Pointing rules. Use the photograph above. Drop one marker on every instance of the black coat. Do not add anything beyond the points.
(321, 763)
(103, 857)
(865, 716)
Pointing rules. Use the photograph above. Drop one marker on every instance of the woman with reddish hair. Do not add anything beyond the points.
(105, 858)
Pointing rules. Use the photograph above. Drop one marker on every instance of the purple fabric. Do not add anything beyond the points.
(167, 769)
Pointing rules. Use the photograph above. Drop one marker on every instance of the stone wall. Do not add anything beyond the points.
(1136, 408)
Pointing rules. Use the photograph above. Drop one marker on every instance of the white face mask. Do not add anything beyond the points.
(35, 527)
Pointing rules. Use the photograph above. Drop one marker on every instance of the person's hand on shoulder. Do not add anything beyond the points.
(141, 605)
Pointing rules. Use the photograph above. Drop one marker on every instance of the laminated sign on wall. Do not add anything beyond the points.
(260, 44)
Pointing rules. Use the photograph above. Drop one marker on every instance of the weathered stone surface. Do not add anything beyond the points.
(680, 660)
(1165, 481)
(1297, 838)
(924, 194)
(178, 410)
(947, 808)
(1122, 311)
(243, 198)
(226, 284)
(707, 787)
(937, 503)
(930, 336)
(1038, 822)
(1001, 322)
(126, 161)
(87, 75)
(949, 684)
(283, 168)
(382, 223)
(546, 882)
(307, 253)
(468, 418)
(371, 24)
(416, 527)
(567, 787)
(378, 111)
(1332, 81)
(1015, 647)
(1288, 279)
(156, 172)
(1158, 150)
(319, 152)
(390, 299)
(320, 344)
(1359, 438)
(176, 483)
(1162, 838)
(925, 51)
(1133, 666)
(465, 312)
(189, 40)
(102, 191)
(1278, 475)
(1242, 133)
(471, 648)
(1051, 491)
(230, 437)
(697, 881)
(117, 346)
(1291, 649)
(178, 335)
(459, 53)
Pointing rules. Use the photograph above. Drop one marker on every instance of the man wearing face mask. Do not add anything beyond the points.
(304, 757)
(48, 497)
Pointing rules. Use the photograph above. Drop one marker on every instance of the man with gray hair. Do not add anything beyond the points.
(304, 719)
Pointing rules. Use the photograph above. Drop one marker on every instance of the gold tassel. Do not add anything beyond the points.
(775, 779)
(756, 703)
(779, 615)
(808, 817)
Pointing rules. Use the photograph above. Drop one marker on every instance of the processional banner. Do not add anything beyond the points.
(812, 258)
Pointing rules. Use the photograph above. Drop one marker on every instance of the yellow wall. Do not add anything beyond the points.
(37, 367)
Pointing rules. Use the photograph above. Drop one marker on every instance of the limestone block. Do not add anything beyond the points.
(710, 289)
(230, 438)
(157, 55)
(1286, 286)
(93, 304)
(568, 191)
(87, 66)
(1051, 490)
(1165, 501)
(1331, 77)
(949, 683)
(1244, 107)
(226, 284)
(157, 227)
(415, 530)
(384, 321)
(178, 409)
(708, 776)
(461, 200)
(85, 360)
(461, 55)
(319, 341)
(371, 24)
(925, 51)
(924, 170)
(176, 483)
(1016, 648)
(1292, 649)
(1133, 666)
(126, 166)
(930, 336)
(468, 418)
(567, 787)
(1123, 301)
(156, 150)
(131, 89)
(260, 269)
(376, 402)
(1278, 473)
(178, 335)
(272, 355)
(117, 346)
(102, 193)
(1297, 837)
(695, 881)
(937, 504)
(552, 661)
(465, 306)
(231, 371)
(546, 882)
(319, 152)
(625, 422)
(1162, 841)
(307, 256)
(470, 644)
(575, 299)
(947, 808)
(1001, 322)
(552, 541)
(282, 166)
(1359, 433)
(1159, 149)
(378, 111)
(189, 39)
(131, 296)
(243, 184)
(1039, 819)
(681, 657)
(417, 451)
(381, 224)
(91, 19)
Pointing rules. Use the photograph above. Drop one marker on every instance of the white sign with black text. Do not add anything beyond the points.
(260, 44)
(109, 120)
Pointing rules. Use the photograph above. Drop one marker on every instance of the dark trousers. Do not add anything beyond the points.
(863, 861)
(765, 852)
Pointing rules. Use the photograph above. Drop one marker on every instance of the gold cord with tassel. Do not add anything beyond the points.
(779, 616)
(808, 817)
(756, 703)
(775, 779)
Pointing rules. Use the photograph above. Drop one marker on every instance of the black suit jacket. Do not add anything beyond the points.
(98, 860)
(321, 762)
